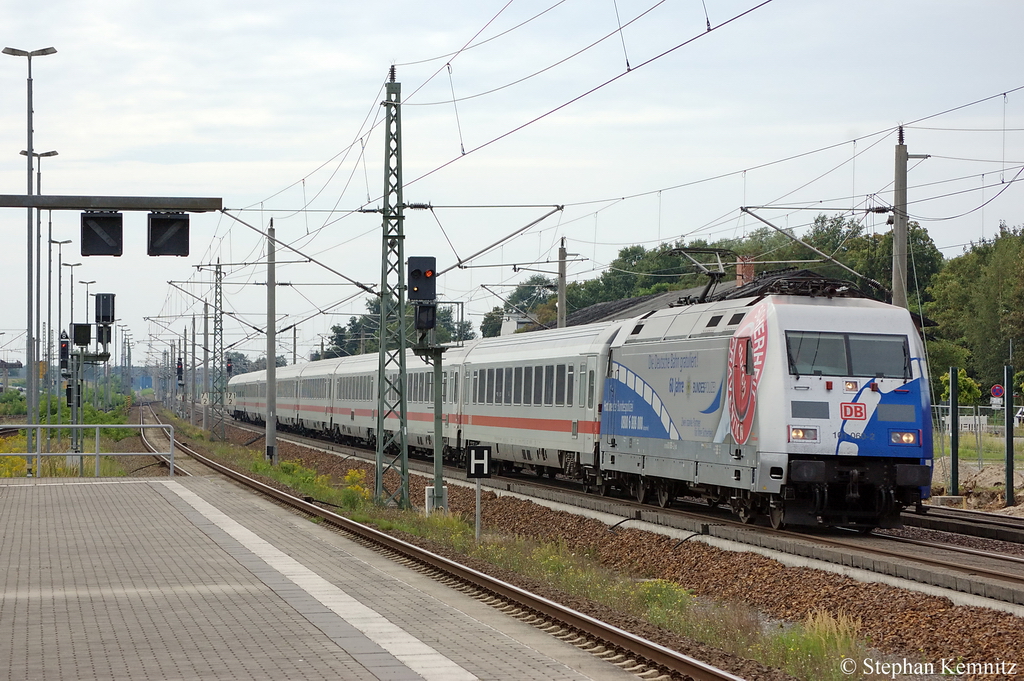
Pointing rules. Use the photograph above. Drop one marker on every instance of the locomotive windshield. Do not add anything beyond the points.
(848, 354)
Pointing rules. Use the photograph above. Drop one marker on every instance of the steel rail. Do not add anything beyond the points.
(952, 547)
(179, 470)
(935, 562)
(649, 651)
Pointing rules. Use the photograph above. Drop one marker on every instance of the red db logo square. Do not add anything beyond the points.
(853, 411)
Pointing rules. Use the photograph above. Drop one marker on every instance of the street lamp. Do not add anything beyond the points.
(60, 323)
(39, 256)
(32, 374)
(87, 284)
(71, 308)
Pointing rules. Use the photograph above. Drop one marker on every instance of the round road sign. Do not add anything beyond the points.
(997, 390)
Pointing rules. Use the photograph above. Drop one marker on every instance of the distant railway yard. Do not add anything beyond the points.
(945, 593)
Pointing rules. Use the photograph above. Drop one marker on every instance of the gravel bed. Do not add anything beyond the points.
(895, 621)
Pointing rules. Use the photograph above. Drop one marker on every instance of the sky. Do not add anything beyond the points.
(635, 118)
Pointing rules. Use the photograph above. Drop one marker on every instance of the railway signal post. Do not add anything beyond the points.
(1008, 420)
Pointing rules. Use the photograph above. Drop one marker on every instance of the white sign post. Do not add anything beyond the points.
(479, 467)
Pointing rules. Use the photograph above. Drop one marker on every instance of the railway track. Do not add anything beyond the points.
(154, 442)
(633, 653)
(973, 523)
(991, 574)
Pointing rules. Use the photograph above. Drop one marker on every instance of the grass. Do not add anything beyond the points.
(810, 650)
(59, 466)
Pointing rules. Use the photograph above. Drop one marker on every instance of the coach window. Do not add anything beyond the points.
(476, 382)
(455, 387)
(560, 385)
(590, 389)
(549, 384)
(538, 385)
(444, 387)
(489, 390)
(508, 386)
(517, 383)
(527, 385)
(749, 365)
(499, 385)
(430, 387)
(568, 388)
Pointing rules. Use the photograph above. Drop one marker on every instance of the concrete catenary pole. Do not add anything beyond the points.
(271, 354)
(900, 223)
(561, 284)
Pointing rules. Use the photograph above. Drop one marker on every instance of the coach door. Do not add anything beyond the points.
(588, 417)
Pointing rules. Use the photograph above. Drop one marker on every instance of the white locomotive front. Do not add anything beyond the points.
(806, 410)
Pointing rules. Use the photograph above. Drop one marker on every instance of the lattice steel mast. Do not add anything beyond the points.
(219, 382)
(392, 446)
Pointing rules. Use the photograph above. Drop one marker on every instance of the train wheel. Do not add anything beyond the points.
(664, 495)
(745, 514)
(640, 490)
(604, 488)
(775, 516)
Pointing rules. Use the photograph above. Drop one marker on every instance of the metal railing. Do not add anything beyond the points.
(166, 427)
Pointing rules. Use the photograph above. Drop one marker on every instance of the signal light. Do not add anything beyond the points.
(102, 233)
(65, 352)
(82, 334)
(181, 372)
(105, 308)
(426, 317)
(167, 234)
(229, 367)
(422, 278)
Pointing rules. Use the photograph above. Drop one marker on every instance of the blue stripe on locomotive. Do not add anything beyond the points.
(627, 413)
(874, 438)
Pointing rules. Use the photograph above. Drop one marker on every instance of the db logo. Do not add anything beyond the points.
(853, 411)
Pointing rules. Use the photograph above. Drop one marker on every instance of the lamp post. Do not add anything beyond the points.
(87, 284)
(39, 279)
(32, 400)
(84, 379)
(39, 273)
(73, 406)
(71, 307)
(60, 322)
(49, 322)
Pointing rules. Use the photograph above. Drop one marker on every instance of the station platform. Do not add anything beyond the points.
(195, 578)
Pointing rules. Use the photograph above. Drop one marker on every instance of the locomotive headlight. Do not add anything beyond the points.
(903, 437)
(800, 434)
(850, 386)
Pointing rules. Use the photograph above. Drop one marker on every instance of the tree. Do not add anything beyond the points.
(449, 330)
(261, 363)
(491, 324)
(978, 301)
(240, 364)
(967, 389)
